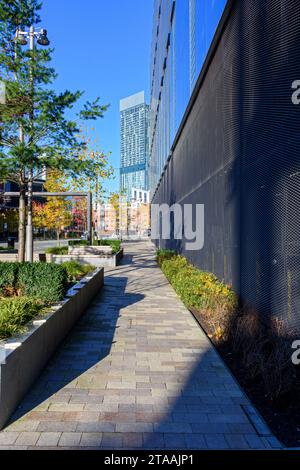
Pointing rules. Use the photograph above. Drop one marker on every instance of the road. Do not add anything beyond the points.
(43, 245)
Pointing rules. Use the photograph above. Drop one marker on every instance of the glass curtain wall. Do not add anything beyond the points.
(182, 34)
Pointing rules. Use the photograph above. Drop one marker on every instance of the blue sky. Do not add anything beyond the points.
(103, 48)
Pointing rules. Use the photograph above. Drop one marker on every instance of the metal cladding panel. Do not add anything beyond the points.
(238, 153)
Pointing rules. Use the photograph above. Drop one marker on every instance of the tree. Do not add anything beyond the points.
(39, 215)
(79, 212)
(56, 213)
(114, 201)
(119, 203)
(93, 155)
(34, 130)
(102, 170)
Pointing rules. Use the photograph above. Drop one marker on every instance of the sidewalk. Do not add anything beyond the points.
(137, 372)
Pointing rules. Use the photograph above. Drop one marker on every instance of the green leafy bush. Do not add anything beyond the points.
(76, 270)
(263, 352)
(8, 276)
(162, 255)
(172, 266)
(115, 244)
(78, 243)
(57, 250)
(199, 290)
(44, 281)
(15, 312)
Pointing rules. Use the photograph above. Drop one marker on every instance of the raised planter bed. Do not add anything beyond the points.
(90, 250)
(98, 260)
(23, 357)
(12, 256)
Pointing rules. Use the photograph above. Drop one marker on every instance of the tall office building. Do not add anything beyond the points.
(134, 143)
(225, 133)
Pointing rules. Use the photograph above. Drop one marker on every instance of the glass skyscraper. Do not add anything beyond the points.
(134, 144)
(182, 33)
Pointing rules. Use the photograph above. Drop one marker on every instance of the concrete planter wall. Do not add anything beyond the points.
(90, 250)
(109, 260)
(13, 257)
(22, 358)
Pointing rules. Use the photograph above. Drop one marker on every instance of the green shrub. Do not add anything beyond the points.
(172, 266)
(78, 243)
(162, 255)
(200, 290)
(58, 250)
(76, 270)
(263, 352)
(115, 244)
(45, 281)
(8, 276)
(15, 312)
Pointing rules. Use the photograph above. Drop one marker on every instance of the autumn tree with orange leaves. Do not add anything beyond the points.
(56, 213)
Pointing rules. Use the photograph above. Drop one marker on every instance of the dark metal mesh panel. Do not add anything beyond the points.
(239, 155)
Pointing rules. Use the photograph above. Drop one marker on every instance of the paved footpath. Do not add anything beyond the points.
(136, 372)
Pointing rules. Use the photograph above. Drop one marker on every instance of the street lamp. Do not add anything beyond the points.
(22, 39)
(42, 38)
(23, 36)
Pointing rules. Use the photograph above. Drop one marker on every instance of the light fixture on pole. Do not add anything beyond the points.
(42, 40)
(41, 36)
(21, 37)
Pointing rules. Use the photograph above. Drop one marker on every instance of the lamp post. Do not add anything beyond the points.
(42, 39)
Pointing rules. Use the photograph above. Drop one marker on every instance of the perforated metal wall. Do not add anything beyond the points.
(238, 153)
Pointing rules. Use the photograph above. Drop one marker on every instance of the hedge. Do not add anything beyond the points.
(162, 255)
(78, 243)
(8, 276)
(115, 244)
(197, 289)
(57, 250)
(44, 281)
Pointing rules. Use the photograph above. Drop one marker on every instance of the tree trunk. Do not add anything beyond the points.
(57, 234)
(22, 224)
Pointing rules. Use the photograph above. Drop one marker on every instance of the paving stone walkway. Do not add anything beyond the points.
(136, 372)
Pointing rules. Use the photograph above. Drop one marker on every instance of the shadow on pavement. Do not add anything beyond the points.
(87, 344)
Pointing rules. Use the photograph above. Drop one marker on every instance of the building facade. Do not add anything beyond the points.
(182, 34)
(140, 195)
(139, 213)
(225, 134)
(107, 220)
(134, 114)
(139, 219)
